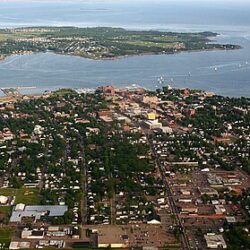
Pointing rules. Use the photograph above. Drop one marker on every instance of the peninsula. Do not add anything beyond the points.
(102, 42)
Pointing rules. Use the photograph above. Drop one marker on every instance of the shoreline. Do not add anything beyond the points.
(40, 93)
(5, 57)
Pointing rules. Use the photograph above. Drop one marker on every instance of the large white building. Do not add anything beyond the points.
(215, 241)
(36, 212)
(152, 124)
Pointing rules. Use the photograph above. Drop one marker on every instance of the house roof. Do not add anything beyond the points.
(153, 216)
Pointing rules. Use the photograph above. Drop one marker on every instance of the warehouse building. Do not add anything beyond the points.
(36, 212)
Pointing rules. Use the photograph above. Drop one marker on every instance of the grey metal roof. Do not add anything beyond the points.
(37, 212)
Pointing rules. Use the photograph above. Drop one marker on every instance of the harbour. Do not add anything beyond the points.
(223, 72)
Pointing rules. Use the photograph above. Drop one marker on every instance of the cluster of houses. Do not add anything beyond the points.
(6, 135)
(124, 208)
(98, 211)
(185, 150)
(139, 210)
(189, 157)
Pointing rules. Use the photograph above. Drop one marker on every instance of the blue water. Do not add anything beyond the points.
(49, 71)
(164, 14)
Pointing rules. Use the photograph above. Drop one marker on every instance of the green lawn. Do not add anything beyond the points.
(5, 235)
(4, 35)
(152, 44)
(5, 209)
(28, 196)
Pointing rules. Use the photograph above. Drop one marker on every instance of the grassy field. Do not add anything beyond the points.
(151, 44)
(5, 235)
(12, 35)
(28, 196)
(5, 209)
(62, 92)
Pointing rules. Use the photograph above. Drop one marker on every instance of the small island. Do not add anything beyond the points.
(102, 42)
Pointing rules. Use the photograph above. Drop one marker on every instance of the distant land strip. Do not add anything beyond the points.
(103, 42)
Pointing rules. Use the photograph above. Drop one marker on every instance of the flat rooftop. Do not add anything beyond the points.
(37, 211)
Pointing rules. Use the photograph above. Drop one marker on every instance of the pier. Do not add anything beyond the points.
(15, 91)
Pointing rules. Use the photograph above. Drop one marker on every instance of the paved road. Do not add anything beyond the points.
(170, 197)
(83, 181)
